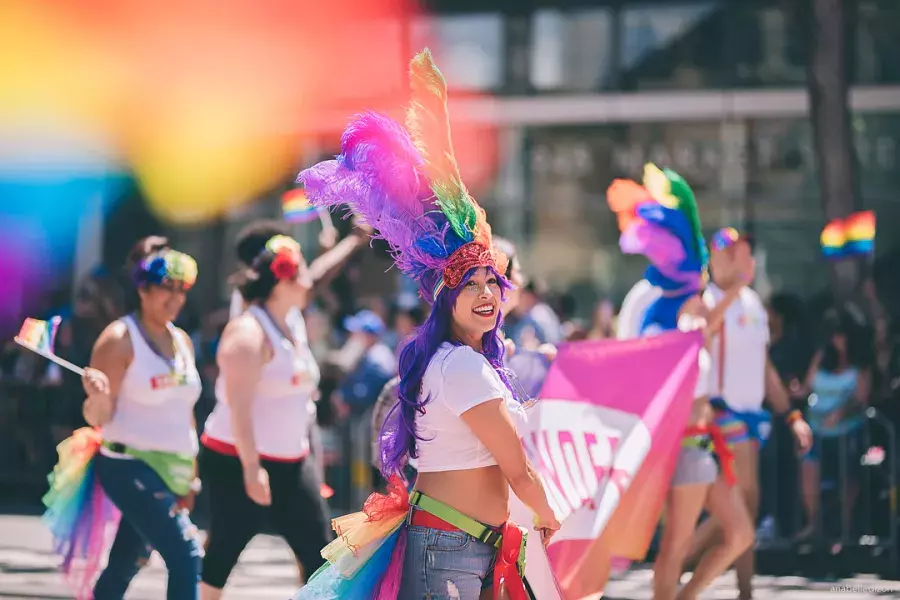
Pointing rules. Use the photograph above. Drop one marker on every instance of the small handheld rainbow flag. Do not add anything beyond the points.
(851, 236)
(39, 337)
(297, 208)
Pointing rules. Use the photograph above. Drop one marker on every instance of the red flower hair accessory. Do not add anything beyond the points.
(285, 253)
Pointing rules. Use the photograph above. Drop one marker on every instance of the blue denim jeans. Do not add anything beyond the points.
(445, 565)
(151, 520)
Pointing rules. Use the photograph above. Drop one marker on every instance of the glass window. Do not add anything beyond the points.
(767, 46)
(664, 47)
(468, 48)
(759, 175)
(878, 42)
(572, 50)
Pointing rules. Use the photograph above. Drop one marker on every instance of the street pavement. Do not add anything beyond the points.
(267, 571)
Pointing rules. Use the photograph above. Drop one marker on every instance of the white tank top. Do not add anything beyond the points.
(281, 404)
(156, 400)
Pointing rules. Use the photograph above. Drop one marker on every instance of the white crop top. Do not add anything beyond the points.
(458, 378)
(281, 404)
(156, 400)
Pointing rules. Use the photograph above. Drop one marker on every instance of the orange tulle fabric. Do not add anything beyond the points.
(720, 446)
(359, 535)
(396, 501)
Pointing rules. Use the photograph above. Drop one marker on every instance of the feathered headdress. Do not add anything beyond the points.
(405, 183)
(660, 221)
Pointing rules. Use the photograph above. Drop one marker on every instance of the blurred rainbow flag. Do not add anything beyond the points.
(851, 236)
(297, 208)
(40, 335)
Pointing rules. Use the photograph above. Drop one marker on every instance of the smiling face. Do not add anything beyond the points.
(477, 306)
(162, 303)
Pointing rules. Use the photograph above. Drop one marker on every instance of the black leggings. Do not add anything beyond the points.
(298, 513)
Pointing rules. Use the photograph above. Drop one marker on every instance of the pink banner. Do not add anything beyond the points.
(604, 437)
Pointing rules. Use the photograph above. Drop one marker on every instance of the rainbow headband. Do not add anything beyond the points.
(284, 253)
(168, 265)
(725, 238)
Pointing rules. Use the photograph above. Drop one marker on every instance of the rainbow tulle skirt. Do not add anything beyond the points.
(79, 514)
(365, 562)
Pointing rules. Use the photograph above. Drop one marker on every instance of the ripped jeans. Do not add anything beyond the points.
(445, 565)
(151, 520)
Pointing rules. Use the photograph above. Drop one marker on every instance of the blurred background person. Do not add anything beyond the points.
(840, 384)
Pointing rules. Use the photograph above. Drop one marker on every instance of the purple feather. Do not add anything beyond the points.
(378, 174)
(661, 247)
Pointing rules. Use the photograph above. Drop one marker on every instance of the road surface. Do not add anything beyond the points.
(267, 572)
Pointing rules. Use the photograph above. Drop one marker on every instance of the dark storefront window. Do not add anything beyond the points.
(572, 50)
(878, 42)
(675, 46)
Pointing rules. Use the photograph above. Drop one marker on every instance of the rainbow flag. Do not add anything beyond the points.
(297, 208)
(851, 236)
(40, 335)
(604, 437)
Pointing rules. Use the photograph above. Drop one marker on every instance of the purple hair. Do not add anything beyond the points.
(398, 434)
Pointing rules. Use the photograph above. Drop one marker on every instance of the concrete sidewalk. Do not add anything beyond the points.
(28, 570)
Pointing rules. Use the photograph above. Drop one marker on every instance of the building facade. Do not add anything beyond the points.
(560, 98)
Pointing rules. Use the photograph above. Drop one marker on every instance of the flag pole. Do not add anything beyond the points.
(52, 357)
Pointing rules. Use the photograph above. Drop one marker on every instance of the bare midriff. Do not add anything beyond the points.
(481, 493)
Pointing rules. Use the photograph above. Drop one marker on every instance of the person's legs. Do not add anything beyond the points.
(233, 520)
(152, 509)
(746, 461)
(129, 553)
(683, 506)
(736, 433)
(810, 477)
(726, 505)
(299, 512)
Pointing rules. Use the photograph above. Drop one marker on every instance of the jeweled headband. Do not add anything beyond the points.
(285, 256)
(470, 256)
(167, 265)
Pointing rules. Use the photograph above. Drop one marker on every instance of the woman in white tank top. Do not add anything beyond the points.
(142, 387)
(255, 456)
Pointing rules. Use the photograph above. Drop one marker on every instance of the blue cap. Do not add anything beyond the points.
(364, 321)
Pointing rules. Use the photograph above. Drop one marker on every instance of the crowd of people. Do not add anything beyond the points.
(264, 406)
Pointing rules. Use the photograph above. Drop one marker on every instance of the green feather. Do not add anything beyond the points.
(688, 205)
(429, 125)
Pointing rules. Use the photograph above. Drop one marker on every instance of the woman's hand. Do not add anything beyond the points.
(548, 350)
(256, 483)
(803, 435)
(95, 383)
(97, 409)
(547, 527)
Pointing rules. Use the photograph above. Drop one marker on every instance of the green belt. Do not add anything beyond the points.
(697, 441)
(465, 523)
(176, 470)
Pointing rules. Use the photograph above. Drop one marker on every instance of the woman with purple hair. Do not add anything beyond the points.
(456, 413)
